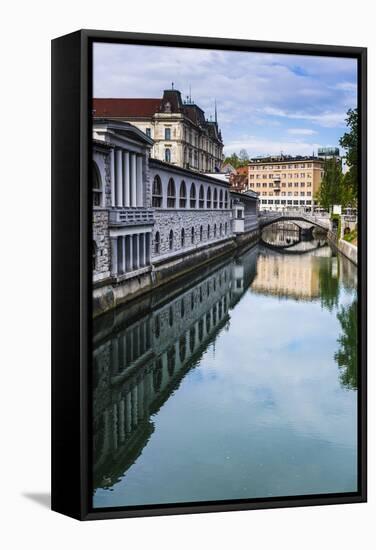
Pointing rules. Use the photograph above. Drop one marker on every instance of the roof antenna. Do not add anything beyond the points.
(215, 110)
(190, 94)
(172, 85)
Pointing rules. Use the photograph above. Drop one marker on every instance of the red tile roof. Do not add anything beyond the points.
(128, 107)
(242, 170)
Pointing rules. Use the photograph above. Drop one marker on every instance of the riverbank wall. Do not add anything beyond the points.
(113, 294)
(349, 250)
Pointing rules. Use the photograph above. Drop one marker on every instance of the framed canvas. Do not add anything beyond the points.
(208, 275)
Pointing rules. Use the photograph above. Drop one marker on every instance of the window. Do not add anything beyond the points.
(97, 186)
(208, 231)
(182, 238)
(208, 198)
(192, 196)
(220, 230)
(192, 235)
(201, 233)
(215, 230)
(157, 243)
(201, 197)
(171, 240)
(226, 199)
(171, 194)
(148, 132)
(226, 228)
(221, 199)
(167, 134)
(215, 199)
(167, 155)
(157, 192)
(183, 195)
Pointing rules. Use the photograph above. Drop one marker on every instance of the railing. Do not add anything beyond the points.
(131, 216)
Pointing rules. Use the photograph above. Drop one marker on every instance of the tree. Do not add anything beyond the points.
(346, 356)
(331, 189)
(349, 141)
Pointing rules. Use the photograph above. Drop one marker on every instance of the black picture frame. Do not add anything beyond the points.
(71, 272)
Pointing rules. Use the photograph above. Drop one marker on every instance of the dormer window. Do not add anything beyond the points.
(167, 108)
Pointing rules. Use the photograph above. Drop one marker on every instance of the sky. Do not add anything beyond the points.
(266, 103)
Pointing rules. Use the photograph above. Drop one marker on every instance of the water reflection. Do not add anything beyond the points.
(211, 389)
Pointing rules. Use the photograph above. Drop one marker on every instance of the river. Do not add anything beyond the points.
(237, 382)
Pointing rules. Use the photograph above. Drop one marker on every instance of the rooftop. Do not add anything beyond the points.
(284, 158)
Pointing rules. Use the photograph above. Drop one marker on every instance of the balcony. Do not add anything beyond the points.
(131, 216)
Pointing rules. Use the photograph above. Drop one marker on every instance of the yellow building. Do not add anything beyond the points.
(285, 182)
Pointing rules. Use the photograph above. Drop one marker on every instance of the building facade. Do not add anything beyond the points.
(286, 182)
(181, 134)
(151, 220)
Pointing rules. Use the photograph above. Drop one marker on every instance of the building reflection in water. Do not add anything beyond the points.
(141, 354)
(143, 351)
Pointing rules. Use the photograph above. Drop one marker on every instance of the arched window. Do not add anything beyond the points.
(192, 196)
(201, 197)
(97, 186)
(220, 230)
(171, 360)
(182, 308)
(94, 256)
(192, 235)
(208, 231)
(157, 375)
(226, 228)
(157, 192)
(221, 199)
(171, 240)
(208, 198)
(167, 155)
(183, 195)
(157, 243)
(201, 233)
(170, 316)
(215, 230)
(226, 199)
(182, 238)
(215, 199)
(171, 194)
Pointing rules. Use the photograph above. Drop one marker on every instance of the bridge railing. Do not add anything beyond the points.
(321, 218)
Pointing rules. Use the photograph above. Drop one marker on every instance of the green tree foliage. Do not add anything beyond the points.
(346, 356)
(238, 160)
(349, 142)
(328, 285)
(331, 189)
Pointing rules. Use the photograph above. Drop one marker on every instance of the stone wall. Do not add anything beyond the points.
(176, 220)
(101, 238)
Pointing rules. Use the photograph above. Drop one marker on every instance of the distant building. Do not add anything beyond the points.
(285, 182)
(328, 152)
(181, 134)
(239, 179)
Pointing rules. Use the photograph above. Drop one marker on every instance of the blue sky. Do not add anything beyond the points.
(267, 103)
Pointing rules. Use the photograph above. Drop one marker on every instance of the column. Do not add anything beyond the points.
(130, 253)
(147, 248)
(139, 181)
(133, 180)
(127, 180)
(119, 178)
(136, 256)
(114, 355)
(112, 176)
(142, 250)
(115, 426)
(134, 405)
(114, 256)
(123, 251)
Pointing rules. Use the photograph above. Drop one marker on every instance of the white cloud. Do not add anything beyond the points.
(301, 131)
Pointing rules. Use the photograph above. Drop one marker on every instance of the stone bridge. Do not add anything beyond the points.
(318, 220)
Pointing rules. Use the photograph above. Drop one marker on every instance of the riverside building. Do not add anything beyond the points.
(286, 182)
(181, 134)
(153, 221)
